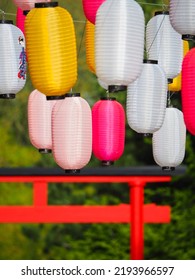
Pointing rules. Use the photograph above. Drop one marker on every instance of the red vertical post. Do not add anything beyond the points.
(40, 193)
(137, 219)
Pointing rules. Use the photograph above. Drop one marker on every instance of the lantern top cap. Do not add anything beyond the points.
(46, 4)
(161, 13)
(150, 61)
(25, 12)
(108, 98)
(55, 97)
(72, 95)
(6, 21)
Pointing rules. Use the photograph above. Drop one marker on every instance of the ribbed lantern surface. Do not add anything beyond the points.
(169, 141)
(108, 118)
(51, 49)
(176, 84)
(39, 121)
(188, 90)
(12, 60)
(72, 133)
(182, 14)
(164, 44)
(90, 46)
(20, 18)
(28, 4)
(146, 99)
(90, 8)
(119, 43)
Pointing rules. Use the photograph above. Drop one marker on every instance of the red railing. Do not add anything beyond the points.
(135, 213)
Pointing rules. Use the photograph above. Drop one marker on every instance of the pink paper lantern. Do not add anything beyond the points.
(90, 8)
(108, 118)
(188, 89)
(20, 19)
(72, 133)
(39, 121)
(27, 5)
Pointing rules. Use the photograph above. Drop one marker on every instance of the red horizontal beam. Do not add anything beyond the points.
(81, 214)
(85, 179)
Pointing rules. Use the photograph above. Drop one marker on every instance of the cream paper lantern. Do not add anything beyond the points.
(119, 43)
(12, 60)
(164, 44)
(182, 15)
(146, 99)
(168, 142)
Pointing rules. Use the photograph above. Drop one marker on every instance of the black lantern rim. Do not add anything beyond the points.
(188, 37)
(45, 151)
(7, 96)
(6, 21)
(150, 61)
(108, 98)
(57, 97)
(72, 171)
(168, 168)
(107, 162)
(72, 94)
(116, 88)
(161, 13)
(25, 12)
(46, 5)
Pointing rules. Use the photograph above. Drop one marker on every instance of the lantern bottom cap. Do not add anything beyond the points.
(147, 134)
(55, 97)
(169, 81)
(7, 96)
(107, 162)
(188, 37)
(116, 88)
(168, 168)
(72, 171)
(45, 151)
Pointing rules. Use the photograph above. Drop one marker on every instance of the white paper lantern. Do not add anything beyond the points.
(146, 99)
(164, 44)
(119, 43)
(12, 60)
(182, 15)
(72, 133)
(169, 141)
(39, 121)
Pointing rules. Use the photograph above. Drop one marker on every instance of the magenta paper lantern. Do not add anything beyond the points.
(108, 118)
(72, 133)
(27, 5)
(20, 19)
(39, 121)
(90, 8)
(188, 90)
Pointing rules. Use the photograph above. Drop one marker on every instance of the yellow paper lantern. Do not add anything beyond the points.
(90, 46)
(176, 84)
(51, 49)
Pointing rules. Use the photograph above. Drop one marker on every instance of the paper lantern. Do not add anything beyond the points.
(26, 5)
(90, 46)
(20, 19)
(72, 133)
(119, 43)
(168, 142)
(164, 44)
(176, 84)
(188, 89)
(12, 60)
(39, 121)
(51, 49)
(182, 14)
(90, 8)
(108, 119)
(146, 99)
